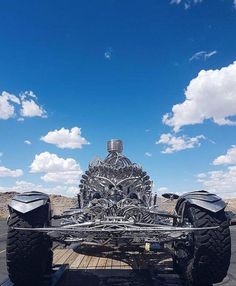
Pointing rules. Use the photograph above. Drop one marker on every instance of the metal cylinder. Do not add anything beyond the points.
(115, 145)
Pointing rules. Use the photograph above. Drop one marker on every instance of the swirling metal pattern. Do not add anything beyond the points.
(115, 186)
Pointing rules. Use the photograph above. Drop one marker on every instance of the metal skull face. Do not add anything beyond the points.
(115, 178)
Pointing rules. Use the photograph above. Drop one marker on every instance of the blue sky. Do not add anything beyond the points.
(116, 69)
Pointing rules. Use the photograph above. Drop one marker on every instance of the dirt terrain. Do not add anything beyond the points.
(61, 203)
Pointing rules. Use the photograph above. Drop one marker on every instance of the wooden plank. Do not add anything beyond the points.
(57, 254)
(64, 257)
(124, 265)
(101, 263)
(71, 258)
(115, 264)
(108, 263)
(85, 262)
(77, 261)
(80, 261)
(93, 262)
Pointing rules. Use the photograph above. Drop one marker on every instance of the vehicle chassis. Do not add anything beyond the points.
(117, 210)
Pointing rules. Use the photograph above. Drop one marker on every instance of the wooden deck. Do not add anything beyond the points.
(80, 261)
(122, 269)
(114, 269)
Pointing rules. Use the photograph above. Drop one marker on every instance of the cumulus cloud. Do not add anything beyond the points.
(202, 55)
(7, 105)
(28, 142)
(148, 154)
(31, 109)
(222, 182)
(211, 95)
(24, 105)
(228, 159)
(66, 138)
(6, 172)
(178, 143)
(24, 186)
(56, 169)
(29, 106)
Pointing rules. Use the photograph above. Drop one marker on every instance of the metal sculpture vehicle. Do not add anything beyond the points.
(117, 210)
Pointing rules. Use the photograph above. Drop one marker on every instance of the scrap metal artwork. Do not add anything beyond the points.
(116, 208)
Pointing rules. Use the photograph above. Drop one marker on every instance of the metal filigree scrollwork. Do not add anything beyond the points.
(115, 186)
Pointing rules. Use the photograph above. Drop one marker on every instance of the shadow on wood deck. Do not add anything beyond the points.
(116, 269)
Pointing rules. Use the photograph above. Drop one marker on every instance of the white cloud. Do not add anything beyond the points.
(26, 94)
(202, 55)
(7, 105)
(23, 186)
(66, 138)
(222, 182)
(29, 107)
(162, 190)
(228, 159)
(201, 175)
(24, 105)
(27, 142)
(187, 3)
(108, 53)
(211, 95)
(175, 144)
(56, 169)
(175, 2)
(148, 154)
(5, 172)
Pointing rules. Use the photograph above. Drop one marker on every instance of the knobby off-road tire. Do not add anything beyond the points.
(209, 257)
(29, 254)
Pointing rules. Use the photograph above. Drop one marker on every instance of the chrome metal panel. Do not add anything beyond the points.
(202, 199)
(25, 207)
(213, 207)
(28, 201)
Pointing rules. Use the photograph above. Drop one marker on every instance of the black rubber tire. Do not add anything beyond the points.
(209, 258)
(28, 253)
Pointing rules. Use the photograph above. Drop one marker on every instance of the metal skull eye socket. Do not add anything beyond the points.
(133, 196)
(96, 195)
